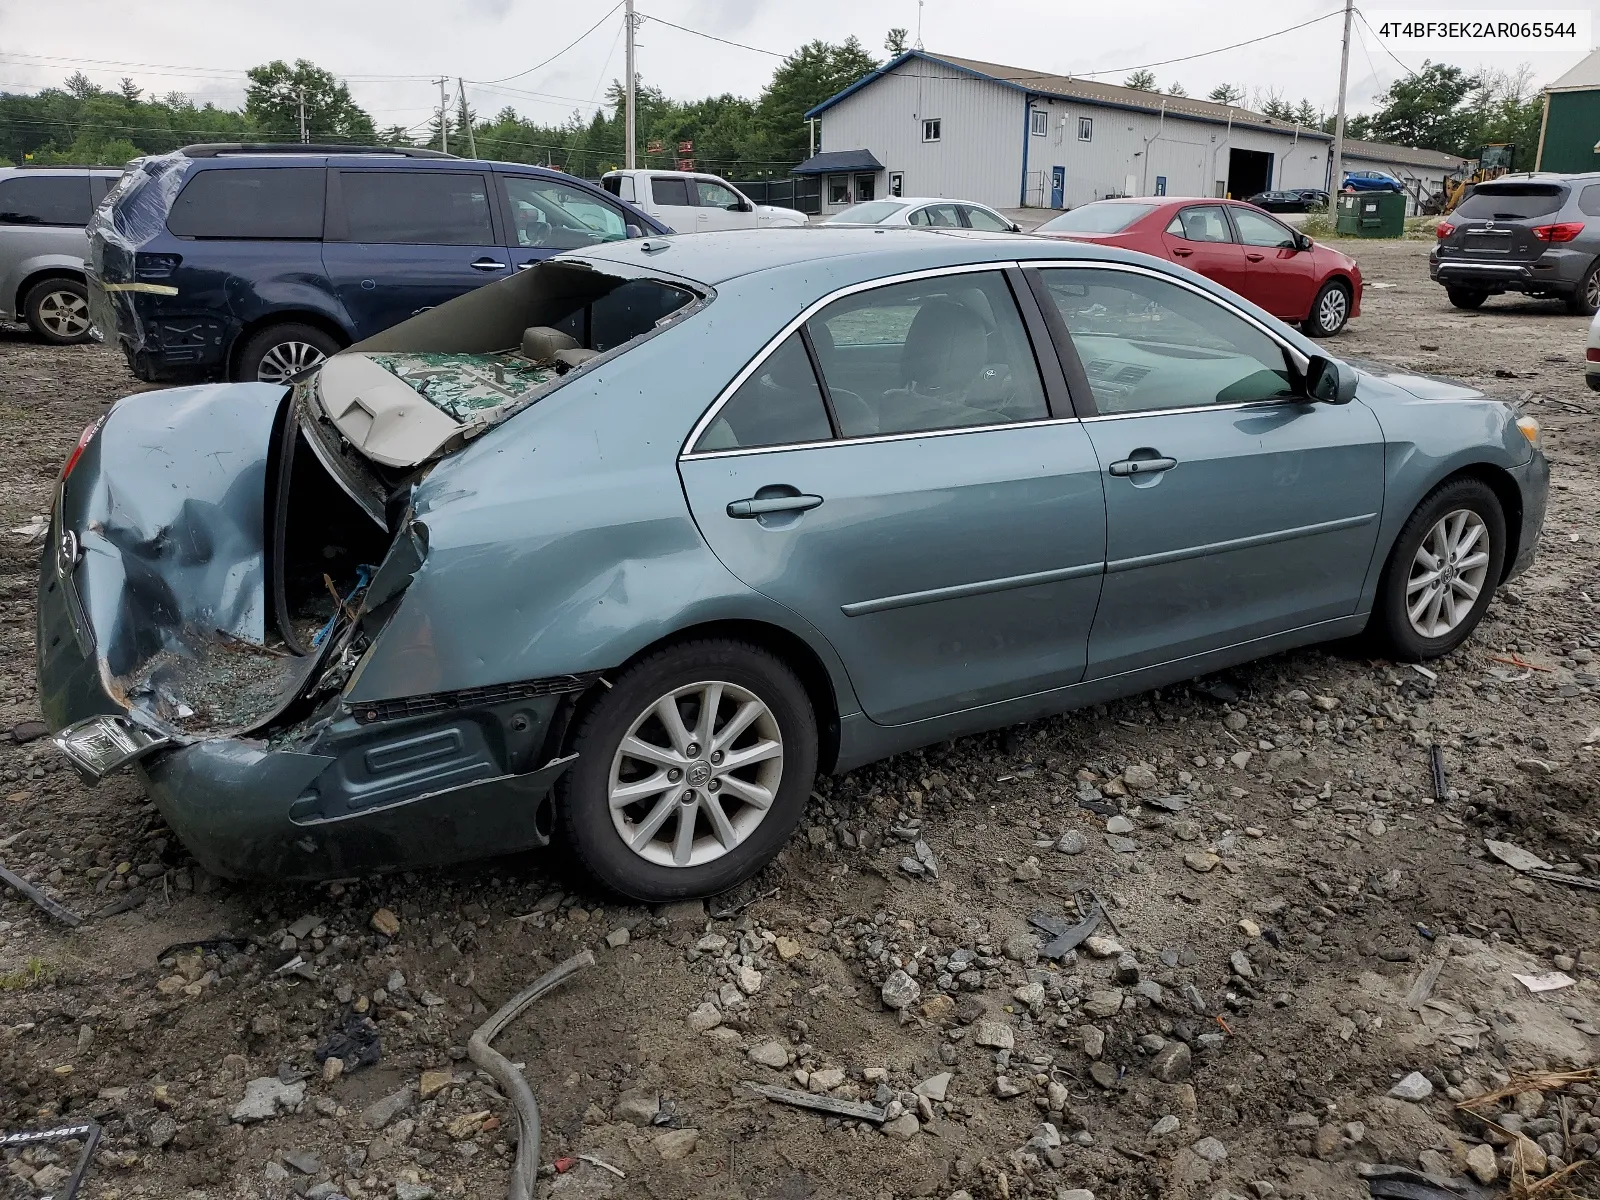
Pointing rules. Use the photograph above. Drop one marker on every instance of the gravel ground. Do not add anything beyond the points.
(1278, 875)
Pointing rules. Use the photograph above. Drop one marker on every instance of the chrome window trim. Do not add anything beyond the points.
(875, 438)
(687, 451)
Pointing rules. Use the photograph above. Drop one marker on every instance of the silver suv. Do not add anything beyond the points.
(42, 246)
(1535, 234)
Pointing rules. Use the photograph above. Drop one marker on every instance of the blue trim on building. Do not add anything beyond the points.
(1030, 93)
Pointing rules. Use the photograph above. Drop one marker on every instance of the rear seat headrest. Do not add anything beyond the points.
(542, 344)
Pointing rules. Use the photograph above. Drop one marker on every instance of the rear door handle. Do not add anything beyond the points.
(487, 264)
(744, 509)
(1142, 466)
(1178, 252)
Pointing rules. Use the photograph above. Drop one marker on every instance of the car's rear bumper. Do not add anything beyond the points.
(1553, 273)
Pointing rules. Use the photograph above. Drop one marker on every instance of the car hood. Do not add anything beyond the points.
(777, 212)
(1420, 386)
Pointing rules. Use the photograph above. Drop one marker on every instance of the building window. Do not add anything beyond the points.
(866, 188)
(1041, 122)
(838, 189)
(897, 183)
(930, 130)
(1085, 129)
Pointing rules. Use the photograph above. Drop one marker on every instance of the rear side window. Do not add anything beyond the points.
(45, 200)
(419, 208)
(1510, 202)
(269, 202)
(780, 405)
(670, 193)
(1589, 200)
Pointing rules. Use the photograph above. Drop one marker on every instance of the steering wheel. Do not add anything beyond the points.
(538, 232)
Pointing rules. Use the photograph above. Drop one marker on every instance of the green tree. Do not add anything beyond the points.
(129, 90)
(895, 42)
(1270, 103)
(803, 80)
(1431, 109)
(1225, 93)
(80, 86)
(394, 135)
(1141, 81)
(1177, 89)
(1507, 108)
(272, 103)
(1308, 114)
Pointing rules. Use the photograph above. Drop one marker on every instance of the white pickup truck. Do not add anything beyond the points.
(693, 203)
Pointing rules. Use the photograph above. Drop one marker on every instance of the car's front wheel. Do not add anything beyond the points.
(1329, 311)
(1586, 299)
(693, 769)
(1442, 572)
(57, 311)
(280, 352)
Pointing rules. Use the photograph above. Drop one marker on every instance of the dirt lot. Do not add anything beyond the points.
(1277, 914)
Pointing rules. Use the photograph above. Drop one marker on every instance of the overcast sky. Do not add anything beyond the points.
(201, 47)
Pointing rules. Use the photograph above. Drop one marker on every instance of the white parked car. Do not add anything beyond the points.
(935, 212)
(1591, 356)
(689, 202)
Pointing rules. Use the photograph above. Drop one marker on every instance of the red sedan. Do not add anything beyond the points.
(1237, 245)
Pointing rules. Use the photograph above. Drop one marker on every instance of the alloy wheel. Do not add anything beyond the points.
(286, 360)
(1591, 289)
(1331, 312)
(65, 314)
(695, 774)
(1447, 573)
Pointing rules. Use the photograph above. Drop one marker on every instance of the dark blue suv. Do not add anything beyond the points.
(256, 262)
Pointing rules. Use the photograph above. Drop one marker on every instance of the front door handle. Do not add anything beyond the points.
(1255, 257)
(1142, 466)
(1180, 252)
(758, 507)
(487, 264)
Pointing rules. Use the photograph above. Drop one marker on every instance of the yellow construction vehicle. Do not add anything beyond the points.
(1493, 161)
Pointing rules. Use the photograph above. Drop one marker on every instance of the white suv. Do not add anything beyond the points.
(694, 203)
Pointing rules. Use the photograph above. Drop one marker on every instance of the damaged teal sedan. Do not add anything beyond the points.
(627, 548)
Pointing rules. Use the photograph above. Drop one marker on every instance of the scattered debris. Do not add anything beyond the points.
(88, 1131)
(1514, 660)
(525, 1172)
(734, 910)
(1515, 857)
(1577, 881)
(28, 731)
(1550, 981)
(828, 1104)
(1065, 938)
(1387, 1182)
(1436, 762)
(355, 1043)
(59, 911)
(1423, 987)
(604, 1166)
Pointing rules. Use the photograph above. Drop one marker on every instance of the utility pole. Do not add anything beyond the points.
(444, 113)
(630, 87)
(303, 138)
(466, 119)
(1336, 164)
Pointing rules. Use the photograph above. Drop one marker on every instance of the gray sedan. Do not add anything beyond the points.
(637, 542)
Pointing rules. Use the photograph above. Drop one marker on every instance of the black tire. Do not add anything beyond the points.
(584, 792)
(1584, 301)
(1329, 311)
(57, 311)
(1593, 381)
(1466, 297)
(270, 353)
(1391, 620)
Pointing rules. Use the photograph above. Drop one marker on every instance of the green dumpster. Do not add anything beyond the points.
(1371, 214)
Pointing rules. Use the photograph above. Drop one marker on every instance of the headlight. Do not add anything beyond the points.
(1530, 430)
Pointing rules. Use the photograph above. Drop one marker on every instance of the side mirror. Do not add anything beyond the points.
(744, 206)
(1015, 228)
(1330, 381)
(1302, 242)
(634, 231)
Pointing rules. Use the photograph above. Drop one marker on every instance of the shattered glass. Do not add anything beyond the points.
(461, 385)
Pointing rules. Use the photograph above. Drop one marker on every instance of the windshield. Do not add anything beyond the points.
(1097, 218)
(869, 213)
(1510, 201)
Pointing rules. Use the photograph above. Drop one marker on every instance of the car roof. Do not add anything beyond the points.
(333, 156)
(859, 252)
(61, 170)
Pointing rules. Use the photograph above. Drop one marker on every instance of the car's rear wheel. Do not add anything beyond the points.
(1593, 381)
(1442, 572)
(57, 311)
(1466, 297)
(693, 769)
(280, 352)
(1586, 299)
(1329, 311)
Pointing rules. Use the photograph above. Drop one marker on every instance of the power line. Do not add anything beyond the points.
(1167, 62)
(1383, 44)
(172, 68)
(711, 37)
(559, 52)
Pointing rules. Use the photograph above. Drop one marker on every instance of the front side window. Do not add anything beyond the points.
(670, 193)
(714, 195)
(1148, 344)
(943, 353)
(1041, 122)
(558, 216)
(45, 200)
(1257, 230)
(1085, 129)
(1202, 223)
(417, 208)
(266, 202)
(982, 218)
(780, 405)
(932, 130)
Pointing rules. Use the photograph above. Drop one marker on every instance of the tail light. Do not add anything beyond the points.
(1563, 231)
(1592, 354)
(84, 438)
(1445, 230)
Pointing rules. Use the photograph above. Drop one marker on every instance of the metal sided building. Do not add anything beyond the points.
(1569, 134)
(938, 125)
